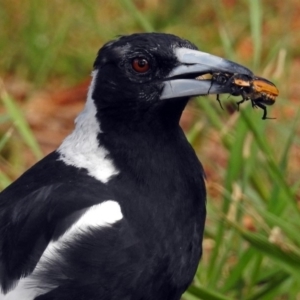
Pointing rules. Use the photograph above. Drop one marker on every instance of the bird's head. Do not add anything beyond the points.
(137, 74)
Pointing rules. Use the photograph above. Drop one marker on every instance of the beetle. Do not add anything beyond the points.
(258, 90)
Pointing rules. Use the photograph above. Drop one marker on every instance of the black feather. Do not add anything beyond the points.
(154, 250)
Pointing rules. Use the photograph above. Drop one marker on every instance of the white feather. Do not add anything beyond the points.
(100, 215)
(20, 292)
(81, 148)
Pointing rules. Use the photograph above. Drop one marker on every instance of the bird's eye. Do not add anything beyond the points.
(140, 65)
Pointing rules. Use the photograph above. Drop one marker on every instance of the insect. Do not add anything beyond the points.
(258, 90)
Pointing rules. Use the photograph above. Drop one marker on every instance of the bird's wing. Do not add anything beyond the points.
(39, 208)
(95, 264)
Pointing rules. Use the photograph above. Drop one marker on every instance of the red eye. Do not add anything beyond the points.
(140, 65)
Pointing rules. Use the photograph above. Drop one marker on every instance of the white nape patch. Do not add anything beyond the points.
(82, 149)
(100, 215)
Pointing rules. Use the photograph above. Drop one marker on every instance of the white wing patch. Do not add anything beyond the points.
(100, 215)
(20, 292)
(82, 148)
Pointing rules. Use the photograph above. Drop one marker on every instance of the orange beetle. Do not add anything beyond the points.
(258, 90)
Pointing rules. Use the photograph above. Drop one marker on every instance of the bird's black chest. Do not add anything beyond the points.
(162, 197)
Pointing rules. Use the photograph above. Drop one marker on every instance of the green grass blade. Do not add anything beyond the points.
(273, 168)
(276, 206)
(288, 260)
(233, 169)
(226, 42)
(210, 111)
(239, 268)
(274, 221)
(20, 122)
(5, 138)
(142, 21)
(193, 134)
(270, 287)
(255, 14)
(4, 181)
(206, 294)
(52, 51)
(254, 273)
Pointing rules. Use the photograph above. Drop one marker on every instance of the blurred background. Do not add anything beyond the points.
(252, 237)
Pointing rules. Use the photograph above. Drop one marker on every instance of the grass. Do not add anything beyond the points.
(19, 122)
(251, 245)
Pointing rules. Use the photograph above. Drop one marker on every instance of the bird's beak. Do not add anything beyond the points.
(181, 81)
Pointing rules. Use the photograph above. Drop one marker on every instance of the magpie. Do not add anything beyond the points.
(118, 210)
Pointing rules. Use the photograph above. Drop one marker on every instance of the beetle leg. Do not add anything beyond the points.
(241, 101)
(218, 96)
(254, 104)
(264, 109)
(210, 88)
(218, 99)
(238, 103)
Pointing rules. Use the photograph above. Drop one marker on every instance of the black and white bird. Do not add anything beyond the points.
(118, 210)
